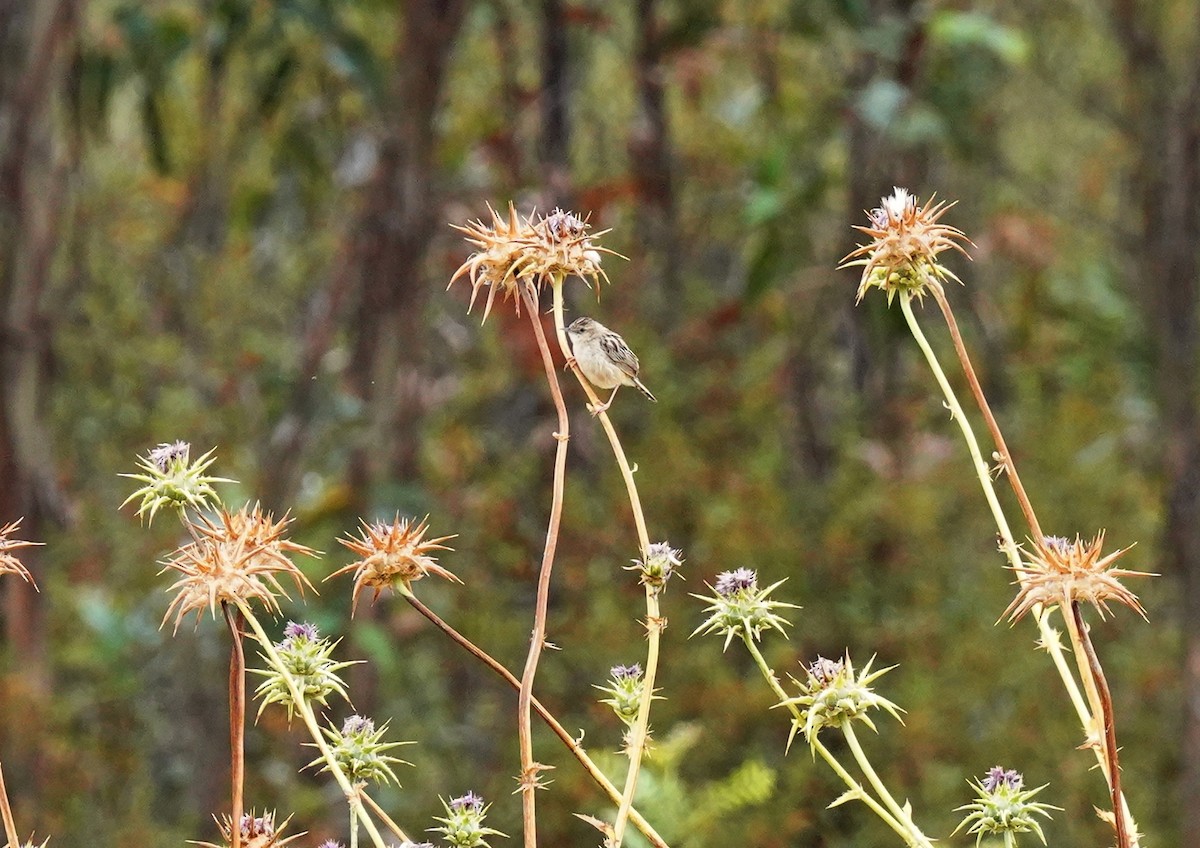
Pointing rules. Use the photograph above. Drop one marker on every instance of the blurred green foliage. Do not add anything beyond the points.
(227, 145)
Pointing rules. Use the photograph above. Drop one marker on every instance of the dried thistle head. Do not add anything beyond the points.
(9, 564)
(905, 243)
(255, 832)
(392, 554)
(516, 252)
(1060, 571)
(239, 557)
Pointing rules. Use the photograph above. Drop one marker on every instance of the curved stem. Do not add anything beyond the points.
(384, 817)
(1107, 733)
(304, 708)
(1049, 636)
(654, 620)
(237, 723)
(847, 778)
(981, 401)
(529, 768)
(10, 824)
(590, 767)
(860, 756)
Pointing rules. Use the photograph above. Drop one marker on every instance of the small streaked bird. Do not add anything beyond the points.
(605, 359)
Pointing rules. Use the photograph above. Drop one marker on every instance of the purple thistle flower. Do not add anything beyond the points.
(303, 630)
(729, 582)
(626, 672)
(998, 778)
(330, 843)
(823, 671)
(357, 725)
(169, 452)
(471, 800)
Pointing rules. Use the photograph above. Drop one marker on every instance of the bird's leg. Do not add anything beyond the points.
(571, 364)
(596, 410)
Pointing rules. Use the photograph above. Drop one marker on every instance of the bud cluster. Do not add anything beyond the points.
(738, 607)
(832, 695)
(462, 826)
(624, 689)
(1003, 808)
(308, 660)
(359, 750)
(661, 561)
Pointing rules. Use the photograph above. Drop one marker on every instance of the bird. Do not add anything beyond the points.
(605, 359)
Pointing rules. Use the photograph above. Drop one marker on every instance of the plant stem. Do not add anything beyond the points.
(384, 817)
(847, 778)
(1049, 636)
(304, 708)
(1109, 729)
(529, 768)
(654, 620)
(237, 722)
(353, 824)
(981, 401)
(590, 767)
(10, 824)
(864, 763)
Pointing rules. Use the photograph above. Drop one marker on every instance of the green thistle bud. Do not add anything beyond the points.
(831, 695)
(308, 660)
(661, 561)
(463, 823)
(1003, 808)
(358, 748)
(171, 480)
(738, 607)
(624, 689)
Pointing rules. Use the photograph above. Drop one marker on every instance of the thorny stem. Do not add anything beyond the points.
(10, 824)
(654, 620)
(864, 763)
(529, 768)
(1010, 467)
(304, 708)
(856, 787)
(1049, 636)
(384, 817)
(237, 722)
(1105, 710)
(574, 747)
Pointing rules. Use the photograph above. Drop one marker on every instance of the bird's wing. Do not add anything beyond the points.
(620, 354)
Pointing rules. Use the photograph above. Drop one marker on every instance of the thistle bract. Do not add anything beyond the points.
(462, 826)
(832, 695)
(170, 479)
(308, 660)
(738, 607)
(1003, 808)
(358, 748)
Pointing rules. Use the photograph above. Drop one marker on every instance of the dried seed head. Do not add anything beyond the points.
(237, 558)
(1061, 571)
(9, 564)
(832, 695)
(255, 832)
(905, 243)
(517, 252)
(395, 554)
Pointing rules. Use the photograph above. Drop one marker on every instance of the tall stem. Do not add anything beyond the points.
(530, 768)
(1108, 731)
(1010, 467)
(237, 722)
(305, 711)
(590, 767)
(860, 756)
(654, 620)
(10, 824)
(1049, 636)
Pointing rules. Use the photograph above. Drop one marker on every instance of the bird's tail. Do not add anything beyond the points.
(641, 387)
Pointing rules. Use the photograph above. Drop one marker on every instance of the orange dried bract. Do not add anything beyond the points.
(392, 553)
(9, 564)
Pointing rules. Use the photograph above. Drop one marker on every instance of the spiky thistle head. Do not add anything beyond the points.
(254, 832)
(9, 564)
(738, 607)
(516, 252)
(833, 695)
(462, 826)
(905, 241)
(359, 750)
(395, 555)
(1003, 808)
(237, 558)
(307, 660)
(625, 686)
(169, 478)
(1059, 571)
(659, 564)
